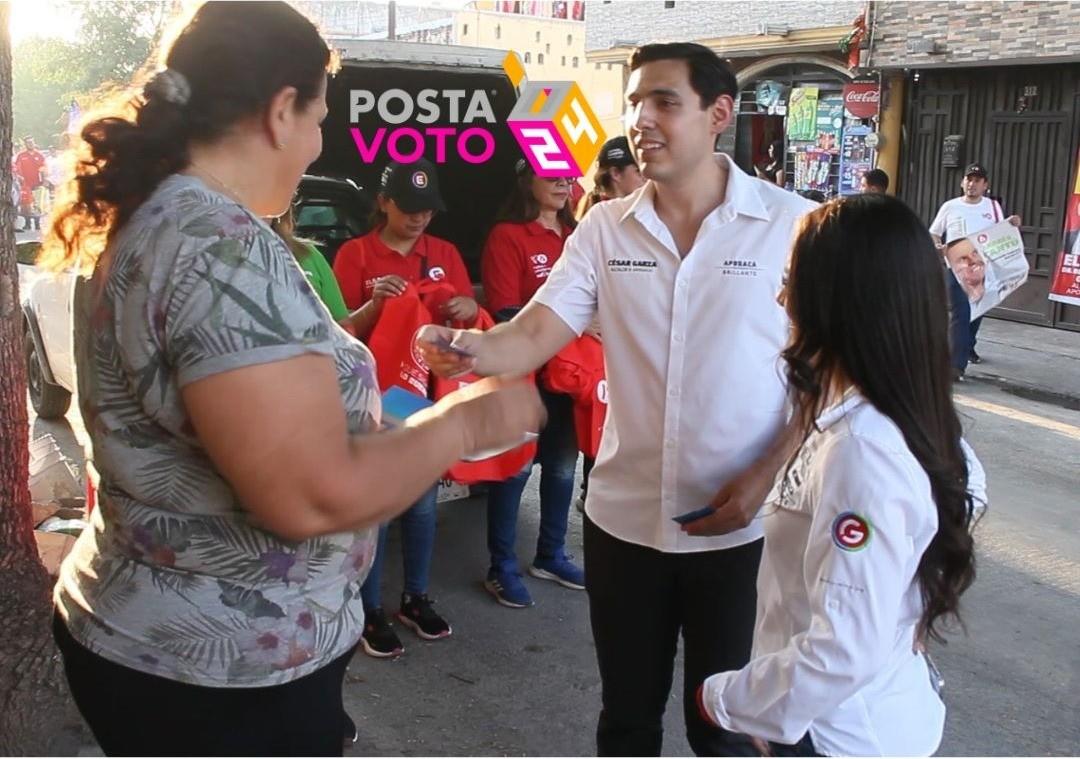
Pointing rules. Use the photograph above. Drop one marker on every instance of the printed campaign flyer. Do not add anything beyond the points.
(1065, 284)
(990, 265)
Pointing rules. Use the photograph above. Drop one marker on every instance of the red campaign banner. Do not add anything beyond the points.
(861, 99)
(1065, 285)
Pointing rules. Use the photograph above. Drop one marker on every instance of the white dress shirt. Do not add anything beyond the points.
(696, 389)
(838, 601)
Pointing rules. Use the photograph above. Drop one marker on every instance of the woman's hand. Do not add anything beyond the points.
(461, 309)
(390, 286)
(492, 413)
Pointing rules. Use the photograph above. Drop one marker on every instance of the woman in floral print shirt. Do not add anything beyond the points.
(213, 604)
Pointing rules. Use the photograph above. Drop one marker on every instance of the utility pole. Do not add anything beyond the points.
(391, 20)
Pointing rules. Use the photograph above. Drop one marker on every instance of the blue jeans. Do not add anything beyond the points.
(962, 330)
(417, 544)
(557, 453)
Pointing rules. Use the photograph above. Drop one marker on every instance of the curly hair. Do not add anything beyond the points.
(224, 64)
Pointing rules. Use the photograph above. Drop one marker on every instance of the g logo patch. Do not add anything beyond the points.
(851, 532)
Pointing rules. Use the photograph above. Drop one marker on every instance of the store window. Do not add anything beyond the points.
(799, 109)
(575, 62)
(465, 30)
(498, 31)
(569, 40)
(538, 36)
(539, 57)
(563, 61)
(528, 57)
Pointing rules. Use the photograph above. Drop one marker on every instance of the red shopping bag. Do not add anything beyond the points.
(578, 371)
(391, 342)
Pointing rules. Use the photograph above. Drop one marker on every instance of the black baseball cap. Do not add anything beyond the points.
(616, 152)
(975, 169)
(413, 186)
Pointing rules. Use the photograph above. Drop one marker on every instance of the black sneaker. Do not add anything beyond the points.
(379, 639)
(419, 616)
(974, 358)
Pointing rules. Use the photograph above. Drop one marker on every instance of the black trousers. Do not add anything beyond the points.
(135, 714)
(640, 599)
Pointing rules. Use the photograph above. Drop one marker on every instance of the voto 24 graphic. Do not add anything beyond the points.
(552, 122)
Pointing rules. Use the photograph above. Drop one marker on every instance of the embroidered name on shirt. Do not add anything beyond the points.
(734, 267)
(628, 264)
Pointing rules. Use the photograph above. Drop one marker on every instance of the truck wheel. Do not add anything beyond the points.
(50, 401)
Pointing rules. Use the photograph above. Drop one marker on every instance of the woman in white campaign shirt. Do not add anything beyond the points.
(867, 545)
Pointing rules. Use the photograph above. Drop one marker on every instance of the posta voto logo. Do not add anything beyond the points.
(551, 121)
(554, 124)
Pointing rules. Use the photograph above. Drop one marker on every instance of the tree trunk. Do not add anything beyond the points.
(37, 715)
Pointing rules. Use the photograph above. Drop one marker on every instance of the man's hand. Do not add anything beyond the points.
(389, 286)
(449, 352)
(461, 309)
(737, 503)
(1014, 220)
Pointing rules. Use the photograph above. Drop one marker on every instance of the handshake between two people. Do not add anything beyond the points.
(494, 413)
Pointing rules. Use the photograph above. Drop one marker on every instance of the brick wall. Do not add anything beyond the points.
(649, 21)
(975, 32)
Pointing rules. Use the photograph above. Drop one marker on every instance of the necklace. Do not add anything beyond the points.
(229, 190)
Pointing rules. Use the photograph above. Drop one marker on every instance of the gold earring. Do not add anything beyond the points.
(279, 145)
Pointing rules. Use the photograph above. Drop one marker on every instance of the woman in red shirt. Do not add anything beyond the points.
(518, 256)
(369, 270)
(397, 251)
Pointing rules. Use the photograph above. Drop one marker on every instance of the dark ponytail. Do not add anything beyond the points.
(866, 296)
(225, 64)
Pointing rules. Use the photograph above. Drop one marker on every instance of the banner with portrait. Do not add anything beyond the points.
(990, 265)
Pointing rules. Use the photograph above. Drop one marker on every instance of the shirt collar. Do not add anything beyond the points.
(382, 249)
(851, 400)
(742, 196)
(536, 229)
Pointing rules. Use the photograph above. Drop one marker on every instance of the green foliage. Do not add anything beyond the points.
(114, 41)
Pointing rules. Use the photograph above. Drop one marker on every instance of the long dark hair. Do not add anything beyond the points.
(521, 205)
(233, 58)
(866, 295)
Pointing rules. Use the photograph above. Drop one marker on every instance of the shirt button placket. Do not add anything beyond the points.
(672, 407)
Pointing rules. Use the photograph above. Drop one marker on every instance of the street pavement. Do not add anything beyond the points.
(524, 682)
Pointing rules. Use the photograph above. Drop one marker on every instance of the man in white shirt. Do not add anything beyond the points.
(959, 217)
(682, 275)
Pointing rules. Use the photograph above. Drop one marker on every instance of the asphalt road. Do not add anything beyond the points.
(524, 682)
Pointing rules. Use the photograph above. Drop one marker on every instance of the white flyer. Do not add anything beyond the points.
(990, 265)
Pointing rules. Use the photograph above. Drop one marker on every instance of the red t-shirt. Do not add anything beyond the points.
(363, 260)
(517, 260)
(28, 165)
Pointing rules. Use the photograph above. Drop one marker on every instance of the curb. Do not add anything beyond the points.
(1030, 392)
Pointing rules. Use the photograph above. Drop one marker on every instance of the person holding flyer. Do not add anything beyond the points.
(971, 212)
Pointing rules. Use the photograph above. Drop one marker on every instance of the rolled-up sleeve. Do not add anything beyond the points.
(571, 288)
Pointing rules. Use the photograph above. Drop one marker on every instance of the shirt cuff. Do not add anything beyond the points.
(711, 700)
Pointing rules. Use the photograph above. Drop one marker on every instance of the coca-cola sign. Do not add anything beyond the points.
(861, 99)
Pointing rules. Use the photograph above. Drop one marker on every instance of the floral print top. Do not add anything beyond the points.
(174, 577)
